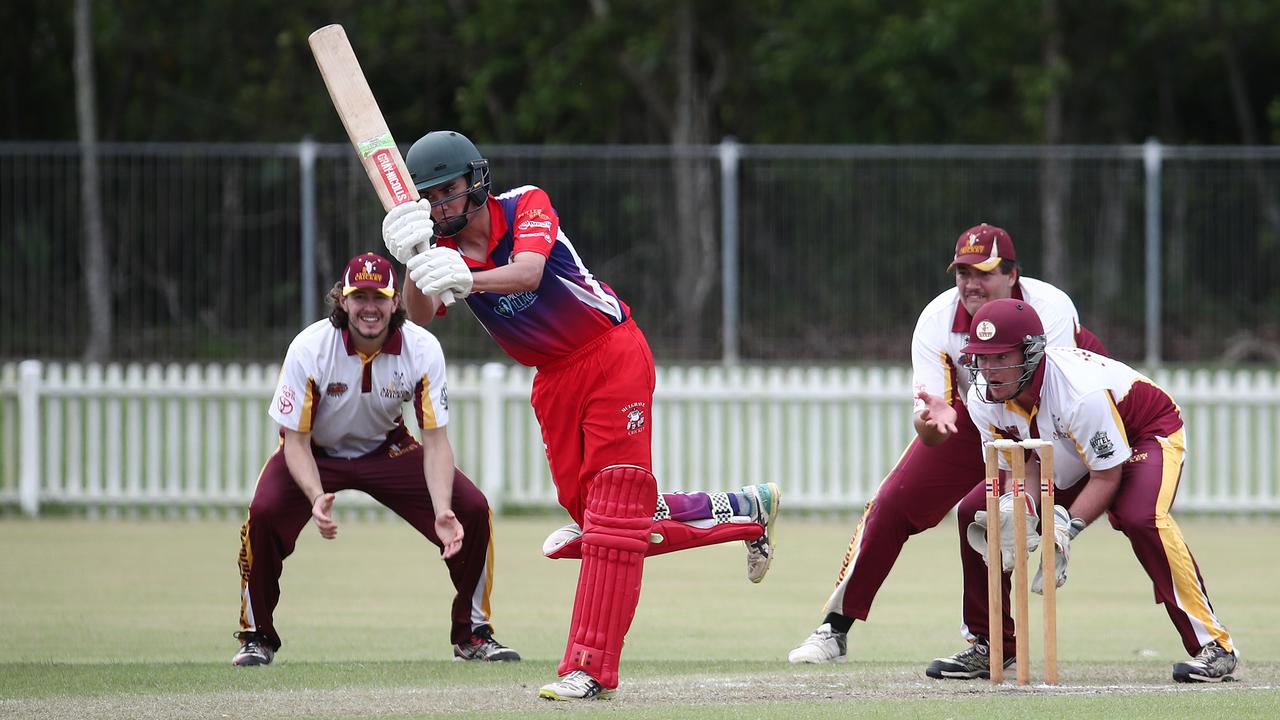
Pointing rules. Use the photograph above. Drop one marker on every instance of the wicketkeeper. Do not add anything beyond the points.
(1119, 446)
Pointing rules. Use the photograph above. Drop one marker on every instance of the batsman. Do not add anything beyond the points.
(509, 257)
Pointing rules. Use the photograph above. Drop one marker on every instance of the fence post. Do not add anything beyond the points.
(1152, 160)
(29, 372)
(729, 152)
(492, 391)
(307, 174)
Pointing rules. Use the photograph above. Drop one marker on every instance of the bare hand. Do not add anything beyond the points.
(937, 414)
(322, 513)
(449, 530)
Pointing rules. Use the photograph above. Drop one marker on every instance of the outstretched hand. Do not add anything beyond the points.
(322, 513)
(449, 530)
(938, 413)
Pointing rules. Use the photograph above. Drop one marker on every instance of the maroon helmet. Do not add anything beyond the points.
(1002, 326)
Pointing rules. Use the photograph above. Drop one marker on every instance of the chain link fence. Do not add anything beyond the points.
(752, 253)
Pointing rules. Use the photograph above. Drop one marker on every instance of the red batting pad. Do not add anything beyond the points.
(676, 535)
(620, 503)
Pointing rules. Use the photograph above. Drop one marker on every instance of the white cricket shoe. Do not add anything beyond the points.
(768, 500)
(823, 646)
(577, 685)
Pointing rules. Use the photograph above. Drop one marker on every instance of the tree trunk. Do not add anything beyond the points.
(692, 181)
(95, 263)
(1055, 172)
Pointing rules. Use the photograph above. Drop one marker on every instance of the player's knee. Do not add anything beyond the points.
(620, 505)
(623, 491)
(468, 500)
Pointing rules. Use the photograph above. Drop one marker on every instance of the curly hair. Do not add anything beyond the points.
(339, 318)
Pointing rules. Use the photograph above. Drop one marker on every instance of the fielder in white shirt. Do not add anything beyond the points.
(944, 461)
(339, 402)
(1118, 448)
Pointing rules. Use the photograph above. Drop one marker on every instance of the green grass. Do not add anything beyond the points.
(107, 619)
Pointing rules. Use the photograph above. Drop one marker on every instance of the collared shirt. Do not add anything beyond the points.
(569, 308)
(351, 403)
(937, 364)
(1093, 409)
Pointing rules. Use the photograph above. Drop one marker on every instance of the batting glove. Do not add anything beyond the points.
(977, 530)
(406, 227)
(1064, 531)
(438, 270)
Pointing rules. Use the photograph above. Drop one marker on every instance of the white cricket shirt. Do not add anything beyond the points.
(943, 328)
(1091, 407)
(351, 403)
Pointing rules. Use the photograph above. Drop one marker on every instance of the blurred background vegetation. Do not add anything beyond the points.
(189, 250)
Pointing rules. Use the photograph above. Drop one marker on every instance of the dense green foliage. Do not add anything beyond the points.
(603, 71)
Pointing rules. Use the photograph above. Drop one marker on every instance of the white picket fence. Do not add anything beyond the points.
(182, 438)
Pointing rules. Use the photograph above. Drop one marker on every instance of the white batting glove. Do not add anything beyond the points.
(1064, 531)
(438, 270)
(977, 530)
(407, 226)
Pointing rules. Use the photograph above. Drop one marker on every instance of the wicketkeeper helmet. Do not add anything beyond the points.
(1001, 326)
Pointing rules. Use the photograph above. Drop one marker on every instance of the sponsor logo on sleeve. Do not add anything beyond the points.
(1102, 445)
(287, 400)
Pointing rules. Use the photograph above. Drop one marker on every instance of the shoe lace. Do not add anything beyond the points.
(1210, 653)
(578, 680)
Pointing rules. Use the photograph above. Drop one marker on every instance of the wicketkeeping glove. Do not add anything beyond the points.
(1064, 531)
(438, 270)
(407, 226)
(977, 530)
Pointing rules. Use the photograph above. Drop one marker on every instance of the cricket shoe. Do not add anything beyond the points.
(972, 662)
(577, 685)
(254, 649)
(1213, 664)
(767, 500)
(481, 647)
(823, 646)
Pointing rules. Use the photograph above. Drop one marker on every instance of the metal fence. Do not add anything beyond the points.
(184, 439)
(725, 253)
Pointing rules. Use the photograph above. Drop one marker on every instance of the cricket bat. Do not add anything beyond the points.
(365, 125)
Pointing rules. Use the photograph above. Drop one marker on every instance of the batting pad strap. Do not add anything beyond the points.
(626, 534)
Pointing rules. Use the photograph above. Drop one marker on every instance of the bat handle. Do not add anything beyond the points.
(447, 296)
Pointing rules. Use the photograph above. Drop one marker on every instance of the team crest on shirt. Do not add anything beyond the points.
(335, 389)
(635, 417)
(397, 389)
(1101, 444)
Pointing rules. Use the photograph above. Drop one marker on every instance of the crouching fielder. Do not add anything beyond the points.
(1119, 448)
(342, 389)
